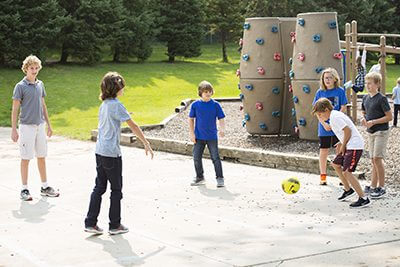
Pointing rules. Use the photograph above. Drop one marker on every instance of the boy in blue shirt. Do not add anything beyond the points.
(108, 154)
(203, 131)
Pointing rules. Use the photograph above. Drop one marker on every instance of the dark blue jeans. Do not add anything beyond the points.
(108, 169)
(198, 150)
(396, 111)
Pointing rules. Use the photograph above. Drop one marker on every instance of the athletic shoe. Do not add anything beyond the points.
(94, 230)
(360, 203)
(322, 182)
(25, 195)
(120, 230)
(346, 194)
(367, 190)
(198, 181)
(49, 192)
(220, 182)
(378, 192)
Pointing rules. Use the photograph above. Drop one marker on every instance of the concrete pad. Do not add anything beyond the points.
(250, 222)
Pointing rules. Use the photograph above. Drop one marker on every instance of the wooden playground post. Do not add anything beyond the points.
(348, 64)
(354, 69)
(383, 64)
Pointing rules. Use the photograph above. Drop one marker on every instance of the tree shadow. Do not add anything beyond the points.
(33, 212)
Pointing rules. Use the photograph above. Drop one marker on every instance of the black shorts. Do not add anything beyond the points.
(327, 141)
(349, 160)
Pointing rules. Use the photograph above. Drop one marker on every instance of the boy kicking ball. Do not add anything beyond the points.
(349, 150)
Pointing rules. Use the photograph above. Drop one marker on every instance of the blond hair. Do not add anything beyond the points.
(334, 74)
(29, 61)
(375, 77)
(205, 86)
(322, 105)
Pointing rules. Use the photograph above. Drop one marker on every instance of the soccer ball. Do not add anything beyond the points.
(291, 185)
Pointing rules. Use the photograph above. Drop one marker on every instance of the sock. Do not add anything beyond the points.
(24, 186)
(323, 177)
(44, 185)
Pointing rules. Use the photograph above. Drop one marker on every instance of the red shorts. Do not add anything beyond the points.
(349, 160)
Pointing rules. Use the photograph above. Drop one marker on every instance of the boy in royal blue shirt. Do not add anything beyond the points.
(203, 131)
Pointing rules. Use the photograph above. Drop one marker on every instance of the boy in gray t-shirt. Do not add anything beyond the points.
(29, 96)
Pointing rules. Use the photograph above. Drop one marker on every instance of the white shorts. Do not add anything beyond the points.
(32, 141)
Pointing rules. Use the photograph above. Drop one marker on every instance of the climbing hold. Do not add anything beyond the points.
(306, 89)
(301, 21)
(296, 129)
(276, 114)
(238, 73)
(249, 87)
(238, 85)
(332, 24)
(274, 29)
(247, 117)
(290, 88)
(277, 56)
(260, 41)
(246, 57)
(302, 122)
(337, 55)
(301, 56)
(246, 26)
(262, 126)
(295, 99)
(276, 90)
(293, 112)
(259, 106)
(261, 70)
(241, 96)
(290, 61)
(240, 107)
(317, 37)
(319, 69)
(243, 123)
(291, 74)
(293, 37)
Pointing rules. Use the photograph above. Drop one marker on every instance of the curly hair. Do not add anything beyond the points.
(111, 84)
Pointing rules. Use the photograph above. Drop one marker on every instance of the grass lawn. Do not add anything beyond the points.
(153, 89)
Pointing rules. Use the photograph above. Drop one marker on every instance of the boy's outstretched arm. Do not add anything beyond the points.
(191, 130)
(138, 132)
(46, 118)
(14, 117)
(221, 129)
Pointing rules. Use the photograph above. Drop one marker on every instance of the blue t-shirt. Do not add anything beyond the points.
(396, 93)
(206, 114)
(111, 114)
(337, 96)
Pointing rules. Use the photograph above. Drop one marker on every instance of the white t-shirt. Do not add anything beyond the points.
(338, 121)
(375, 68)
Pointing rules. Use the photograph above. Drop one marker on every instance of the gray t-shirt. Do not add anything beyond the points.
(111, 114)
(30, 95)
(375, 108)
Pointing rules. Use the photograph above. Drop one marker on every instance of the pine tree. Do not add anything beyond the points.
(181, 27)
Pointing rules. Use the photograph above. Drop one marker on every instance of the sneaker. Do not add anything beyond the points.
(360, 203)
(49, 192)
(120, 230)
(346, 194)
(322, 182)
(197, 181)
(220, 182)
(367, 190)
(377, 193)
(25, 195)
(94, 230)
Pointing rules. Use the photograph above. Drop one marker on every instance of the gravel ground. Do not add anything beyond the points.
(237, 136)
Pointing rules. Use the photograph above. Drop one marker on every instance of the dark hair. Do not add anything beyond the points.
(111, 84)
(322, 105)
(205, 86)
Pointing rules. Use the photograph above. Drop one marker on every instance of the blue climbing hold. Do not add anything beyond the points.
(332, 24)
(246, 26)
(249, 87)
(290, 61)
(241, 96)
(246, 57)
(302, 122)
(274, 29)
(262, 125)
(243, 123)
(295, 99)
(291, 74)
(317, 37)
(247, 117)
(301, 21)
(293, 112)
(276, 90)
(260, 41)
(276, 114)
(319, 69)
(306, 89)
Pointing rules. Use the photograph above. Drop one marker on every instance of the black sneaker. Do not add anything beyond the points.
(377, 193)
(360, 203)
(120, 230)
(93, 230)
(346, 194)
(197, 181)
(25, 195)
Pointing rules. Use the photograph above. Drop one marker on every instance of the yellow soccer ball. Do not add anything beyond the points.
(291, 185)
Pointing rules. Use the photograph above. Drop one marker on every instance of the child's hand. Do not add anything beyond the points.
(14, 135)
(221, 133)
(342, 150)
(49, 131)
(364, 122)
(193, 138)
(147, 150)
(337, 148)
(370, 123)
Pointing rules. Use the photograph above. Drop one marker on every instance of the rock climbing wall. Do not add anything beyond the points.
(316, 47)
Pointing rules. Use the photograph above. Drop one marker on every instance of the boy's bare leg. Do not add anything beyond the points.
(374, 178)
(380, 172)
(41, 162)
(323, 158)
(354, 183)
(339, 172)
(24, 171)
